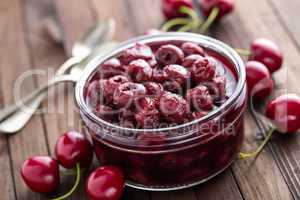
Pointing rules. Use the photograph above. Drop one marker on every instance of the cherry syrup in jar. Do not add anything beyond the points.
(169, 112)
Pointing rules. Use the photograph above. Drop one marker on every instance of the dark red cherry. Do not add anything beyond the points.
(259, 82)
(266, 52)
(173, 86)
(169, 54)
(140, 70)
(159, 75)
(105, 183)
(200, 98)
(138, 51)
(128, 123)
(126, 93)
(218, 89)
(203, 70)
(190, 60)
(41, 174)
(112, 84)
(145, 103)
(126, 118)
(190, 48)
(95, 92)
(177, 73)
(225, 6)
(104, 112)
(284, 111)
(154, 89)
(148, 118)
(170, 8)
(198, 114)
(173, 107)
(110, 68)
(72, 148)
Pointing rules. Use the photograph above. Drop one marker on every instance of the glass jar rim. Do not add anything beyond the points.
(204, 41)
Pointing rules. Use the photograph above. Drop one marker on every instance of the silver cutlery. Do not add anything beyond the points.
(13, 118)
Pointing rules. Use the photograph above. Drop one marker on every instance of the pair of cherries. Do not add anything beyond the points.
(170, 8)
(41, 173)
(265, 58)
(283, 111)
(181, 13)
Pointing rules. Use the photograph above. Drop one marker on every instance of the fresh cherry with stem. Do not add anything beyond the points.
(105, 183)
(192, 22)
(73, 150)
(264, 51)
(214, 10)
(170, 8)
(284, 113)
(267, 52)
(259, 81)
(41, 174)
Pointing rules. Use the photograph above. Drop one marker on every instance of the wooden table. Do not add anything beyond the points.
(275, 174)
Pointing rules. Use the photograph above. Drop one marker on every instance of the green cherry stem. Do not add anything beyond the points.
(210, 20)
(260, 148)
(75, 185)
(72, 173)
(190, 12)
(175, 22)
(243, 52)
(187, 27)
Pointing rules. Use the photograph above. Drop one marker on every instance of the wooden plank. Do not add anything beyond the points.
(15, 61)
(60, 114)
(288, 14)
(145, 14)
(221, 187)
(118, 10)
(241, 35)
(75, 18)
(263, 171)
(6, 182)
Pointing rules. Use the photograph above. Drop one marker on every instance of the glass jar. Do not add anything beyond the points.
(174, 157)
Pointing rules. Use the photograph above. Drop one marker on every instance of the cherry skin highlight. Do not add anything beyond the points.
(259, 82)
(72, 148)
(41, 174)
(266, 52)
(105, 183)
(284, 111)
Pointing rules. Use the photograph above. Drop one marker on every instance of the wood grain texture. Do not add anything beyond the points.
(14, 61)
(287, 14)
(21, 24)
(241, 36)
(75, 18)
(61, 113)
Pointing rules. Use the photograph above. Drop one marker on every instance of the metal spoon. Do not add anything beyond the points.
(16, 117)
(100, 32)
(19, 119)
